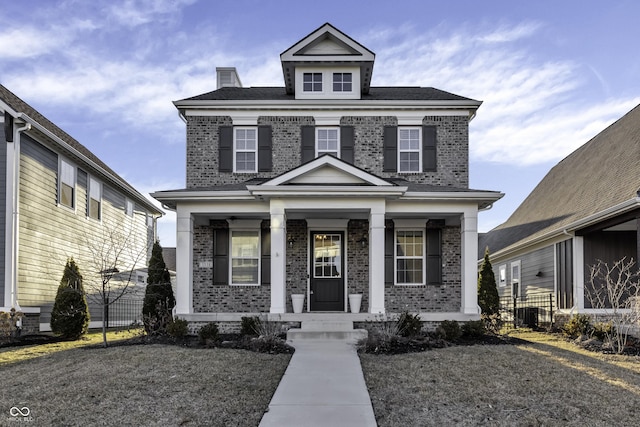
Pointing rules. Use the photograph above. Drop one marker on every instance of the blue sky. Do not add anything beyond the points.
(551, 74)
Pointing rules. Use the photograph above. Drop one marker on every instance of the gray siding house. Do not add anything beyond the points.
(326, 190)
(56, 197)
(587, 208)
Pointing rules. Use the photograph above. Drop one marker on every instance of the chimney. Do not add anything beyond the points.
(227, 77)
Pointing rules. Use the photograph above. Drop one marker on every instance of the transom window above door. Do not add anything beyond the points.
(327, 141)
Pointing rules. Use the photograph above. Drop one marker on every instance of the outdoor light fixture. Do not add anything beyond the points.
(291, 241)
(363, 241)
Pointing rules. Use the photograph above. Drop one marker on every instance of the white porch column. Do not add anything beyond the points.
(278, 258)
(184, 264)
(578, 273)
(376, 260)
(469, 267)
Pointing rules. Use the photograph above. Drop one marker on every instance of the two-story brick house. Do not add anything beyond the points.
(326, 187)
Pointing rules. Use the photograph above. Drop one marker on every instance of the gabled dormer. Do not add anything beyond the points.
(327, 64)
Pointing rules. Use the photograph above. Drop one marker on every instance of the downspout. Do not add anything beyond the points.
(15, 217)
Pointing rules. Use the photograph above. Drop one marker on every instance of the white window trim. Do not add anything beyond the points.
(516, 281)
(337, 129)
(244, 225)
(74, 203)
(129, 203)
(91, 179)
(395, 255)
(235, 149)
(419, 150)
(502, 276)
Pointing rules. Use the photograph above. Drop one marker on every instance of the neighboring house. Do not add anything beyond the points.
(326, 187)
(587, 208)
(55, 196)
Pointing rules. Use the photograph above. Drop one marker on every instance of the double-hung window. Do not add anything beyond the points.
(67, 190)
(327, 141)
(245, 257)
(516, 288)
(95, 199)
(312, 82)
(410, 259)
(342, 82)
(409, 149)
(128, 207)
(245, 149)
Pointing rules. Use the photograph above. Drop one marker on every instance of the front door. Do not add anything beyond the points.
(327, 271)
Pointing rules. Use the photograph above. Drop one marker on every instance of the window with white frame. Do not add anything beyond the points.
(312, 82)
(128, 207)
(502, 276)
(327, 141)
(409, 149)
(67, 190)
(245, 142)
(516, 287)
(342, 82)
(245, 257)
(95, 199)
(409, 257)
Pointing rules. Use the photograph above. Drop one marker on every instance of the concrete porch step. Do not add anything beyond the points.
(326, 329)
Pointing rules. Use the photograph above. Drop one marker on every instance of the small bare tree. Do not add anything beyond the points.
(616, 291)
(114, 254)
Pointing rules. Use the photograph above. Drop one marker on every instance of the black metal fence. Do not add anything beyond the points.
(533, 311)
(123, 313)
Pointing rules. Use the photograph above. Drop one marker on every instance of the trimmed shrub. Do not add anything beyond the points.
(449, 330)
(178, 328)
(473, 329)
(70, 313)
(603, 331)
(409, 325)
(158, 297)
(250, 326)
(209, 334)
(579, 324)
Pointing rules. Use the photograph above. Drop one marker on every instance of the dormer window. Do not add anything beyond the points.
(312, 82)
(342, 82)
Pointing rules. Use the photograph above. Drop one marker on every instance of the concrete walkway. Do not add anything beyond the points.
(322, 386)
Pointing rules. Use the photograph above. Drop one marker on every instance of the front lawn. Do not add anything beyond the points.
(545, 382)
(140, 385)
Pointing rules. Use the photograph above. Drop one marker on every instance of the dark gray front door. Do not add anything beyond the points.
(327, 271)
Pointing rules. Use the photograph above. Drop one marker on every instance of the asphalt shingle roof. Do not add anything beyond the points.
(375, 94)
(601, 174)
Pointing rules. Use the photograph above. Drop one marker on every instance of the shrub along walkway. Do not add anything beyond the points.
(323, 385)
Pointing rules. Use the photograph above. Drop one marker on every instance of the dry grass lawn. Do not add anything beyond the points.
(141, 385)
(548, 382)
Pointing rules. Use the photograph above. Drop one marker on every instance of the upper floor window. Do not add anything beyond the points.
(327, 141)
(67, 189)
(342, 82)
(245, 150)
(312, 82)
(409, 150)
(516, 289)
(95, 199)
(128, 207)
(409, 254)
(502, 276)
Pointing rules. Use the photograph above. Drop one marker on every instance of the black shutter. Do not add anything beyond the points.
(308, 145)
(221, 256)
(8, 127)
(389, 262)
(265, 256)
(390, 149)
(346, 144)
(225, 149)
(429, 152)
(434, 256)
(264, 148)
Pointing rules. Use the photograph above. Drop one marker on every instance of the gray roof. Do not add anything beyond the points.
(375, 94)
(21, 106)
(601, 174)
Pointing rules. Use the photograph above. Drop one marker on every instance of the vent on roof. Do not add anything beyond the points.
(227, 77)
